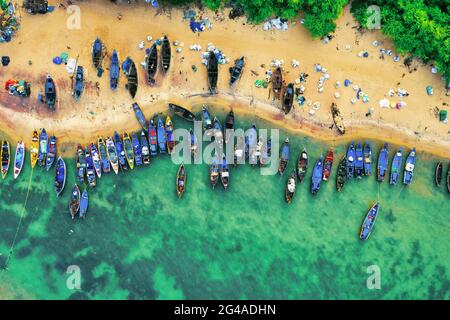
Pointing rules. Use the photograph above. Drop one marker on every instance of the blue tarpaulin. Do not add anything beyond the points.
(196, 26)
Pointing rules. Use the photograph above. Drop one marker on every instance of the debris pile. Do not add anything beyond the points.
(9, 23)
(19, 88)
(221, 57)
(277, 23)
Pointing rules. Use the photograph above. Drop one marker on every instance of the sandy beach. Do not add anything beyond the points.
(101, 111)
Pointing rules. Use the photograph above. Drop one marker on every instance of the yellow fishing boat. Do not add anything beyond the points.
(34, 150)
(129, 153)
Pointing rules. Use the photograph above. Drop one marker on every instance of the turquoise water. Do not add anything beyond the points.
(140, 242)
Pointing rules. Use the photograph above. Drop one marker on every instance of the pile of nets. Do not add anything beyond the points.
(19, 88)
(9, 23)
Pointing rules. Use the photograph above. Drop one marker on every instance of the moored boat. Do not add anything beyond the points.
(214, 171)
(285, 153)
(351, 160)
(120, 152)
(81, 164)
(341, 175)
(369, 222)
(34, 149)
(438, 174)
(367, 159)
(396, 166)
(359, 160)
(90, 170)
(263, 157)
(181, 180)
(140, 116)
(152, 138)
(236, 70)
(19, 159)
(382, 163)
(145, 151)
(251, 141)
(114, 71)
(224, 173)
(229, 126)
(151, 63)
(43, 145)
(169, 135)
(290, 187)
(96, 160)
(112, 154)
(79, 83)
(182, 112)
(206, 119)
(409, 167)
(60, 176)
(51, 153)
(75, 198)
(84, 203)
(218, 135)
(277, 82)
(128, 148)
(212, 72)
(106, 166)
(165, 54)
(288, 98)
(328, 165)
(137, 149)
(161, 133)
(50, 92)
(302, 165)
(316, 177)
(193, 142)
(239, 154)
(337, 118)
(6, 158)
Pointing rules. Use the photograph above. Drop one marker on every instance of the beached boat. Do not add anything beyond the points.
(337, 118)
(169, 135)
(359, 160)
(182, 112)
(120, 152)
(19, 158)
(112, 154)
(369, 222)
(193, 143)
(80, 164)
(181, 180)
(409, 167)
(396, 166)
(103, 152)
(285, 153)
(50, 92)
(214, 171)
(328, 165)
(206, 119)
(341, 176)
(229, 126)
(212, 72)
(236, 71)
(140, 116)
(90, 170)
(239, 153)
(290, 187)
(152, 138)
(251, 142)
(302, 165)
(43, 145)
(79, 83)
(382, 163)
(51, 153)
(151, 64)
(288, 98)
(351, 154)
(128, 148)
(130, 71)
(145, 150)
(367, 159)
(277, 82)
(84, 203)
(161, 133)
(97, 53)
(165, 54)
(34, 149)
(316, 177)
(137, 149)
(60, 176)
(96, 159)
(438, 174)
(6, 158)
(114, 71)
(75, 198)
(224, 172)
(448, 179)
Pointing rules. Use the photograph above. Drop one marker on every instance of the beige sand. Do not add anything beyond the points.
(99, 113)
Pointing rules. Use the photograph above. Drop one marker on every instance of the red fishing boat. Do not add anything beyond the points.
(328, 165)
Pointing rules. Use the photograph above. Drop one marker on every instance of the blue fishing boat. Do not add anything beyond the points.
(152, 138)
(367, 159)
(120, 151)
(145, 150)
(79, 83)
(19, 158)
(103, 152)
(206, 119)
(60, 176)
(96, 159)
(409, 167)
(84, 203)
(369, 222)
(51, 153)
(43, 146)
(383, 159)
(396, 166)
(359, 160)
(140, 116)
(169, 135)
(114, 71)
(161, 133)
(251, 141)
(285, 153)
(137, 149)
(81, 164)
(351, 155)
(90, 170)
(50, 92)
(316, 177)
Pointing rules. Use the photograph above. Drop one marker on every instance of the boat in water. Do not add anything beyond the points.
(182, 112)
(351, 155)
(79, 83)
(277, 82)
(34, 149)
(112, 154)
(128, 148)
(43, 145)
(302, 165)
(409, 167)
(337, 118)
(161, 133)
(214, 171)
(103, 152)
(145, 149)
(97, 53)
(6, 158)
(316, 177)
(212, 72)
(438, 174)
(137, 149)
(229, 126)
(90, 170)
(382, 163)
(96, 160)
(328, 165)
(261, 151)
(50, 93)
(224, 173)
(251, 141)
(239, 152)
(169, 135)
(218, 134)
(206, 119)
(80, 164)
(19, 158)
(60, 176)
(84, 204)
(288, 98)
(193, 143)
(236, 70)
(359, 160)
(152, 138)
(285, 153)
(151, 64)
(140, 116)
(75, 198)
(51, 153)
(290, 187)
(130, 71)
(165, 54)
(367, 159)
(181, 180)
(120, 152)
(341, 176)
(396, 166)
(369, 222)
(114, 71)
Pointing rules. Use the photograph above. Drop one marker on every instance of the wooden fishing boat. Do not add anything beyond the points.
(341, 176)
(19, 158)
(106, 166)
(224, 173)
(5, 155)
(229, 126)
(316, 177)
(284, 156)
(214, 171)
(169, 135)
(165, 54)
(382, 163)
(236, 71)
(79, 83)
(409, 167)
(288, 98)
(34, 149)
(90, 170)
(114, 71)
(328, 165)
(212, 72)
(152, 138)
(182, 112)
(438, 174)
(84, 204)
(193, 143)
(43, 147)
(337, 118)
(206, 119)
(251, 142)
(290, 187)
(181, 180)
(75, 199)
(369, 222)
(96, 159)
(60, 176)
(151, 64)
(239, 151)
(359, 160)
(218, 134)
(145, 149)
(137, 149)
(367, 159)
(51, 154)
(351, 156)
(97, 53)
(80, 164)
(277, 82)
(302, 165)
(132, 77)
(50, 92)
(140, 116)
(120, 152)
(161, 134)
(396, 166)
(112, 154)
(128, 147)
